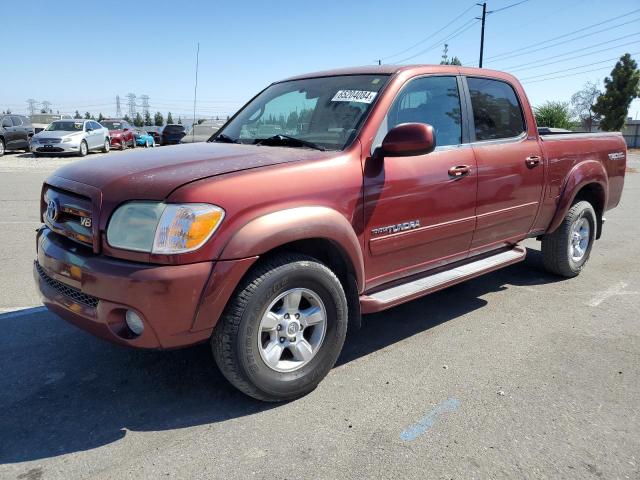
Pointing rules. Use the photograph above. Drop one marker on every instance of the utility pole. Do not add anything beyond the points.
(145, 104)
(31, 106)
(484, 16)
(46, 106)
(131, 101)
(195, 95)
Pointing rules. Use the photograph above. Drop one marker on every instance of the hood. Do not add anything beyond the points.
(154, 173)
(56, 134)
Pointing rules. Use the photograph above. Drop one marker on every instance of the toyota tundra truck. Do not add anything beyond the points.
(327, 196)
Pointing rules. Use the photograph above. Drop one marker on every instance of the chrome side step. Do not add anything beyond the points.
(424, 285)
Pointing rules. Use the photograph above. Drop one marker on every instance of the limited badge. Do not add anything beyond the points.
(359, 96)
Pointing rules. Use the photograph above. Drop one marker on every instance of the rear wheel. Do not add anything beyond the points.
(283, 330)
(2, 148)
(107, 146)
(84, 149)
(566, 251)
(133, 142)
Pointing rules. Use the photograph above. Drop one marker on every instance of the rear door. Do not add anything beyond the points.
(417, 214)
(510, 167)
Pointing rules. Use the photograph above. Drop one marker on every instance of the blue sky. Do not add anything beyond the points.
(80, 55)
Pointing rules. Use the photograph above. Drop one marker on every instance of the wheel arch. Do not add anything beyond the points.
(304, 229)
(586, 181)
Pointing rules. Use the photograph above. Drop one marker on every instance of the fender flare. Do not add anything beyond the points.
(278, 228)
(584, 173)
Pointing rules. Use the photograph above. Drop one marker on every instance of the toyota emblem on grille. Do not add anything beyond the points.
(52, 210)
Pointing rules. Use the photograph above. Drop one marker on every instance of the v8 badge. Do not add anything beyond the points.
(85, 222)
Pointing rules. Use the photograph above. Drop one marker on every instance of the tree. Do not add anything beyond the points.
(100, 117)
(127, 118)
(87, 115)
(158, 119)
(179, 120)
(619, 91)
(554, 114)
(583, 102)
(147, 119)
(138, 122)
(77, 115)
(446, 60)
(169, 118)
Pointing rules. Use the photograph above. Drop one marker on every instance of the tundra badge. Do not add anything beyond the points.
(399, 227)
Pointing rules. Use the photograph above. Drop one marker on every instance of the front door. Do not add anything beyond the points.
(510, 167)
(419, 213)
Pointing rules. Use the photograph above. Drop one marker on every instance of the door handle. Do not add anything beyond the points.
(532, 161)
(459, 171)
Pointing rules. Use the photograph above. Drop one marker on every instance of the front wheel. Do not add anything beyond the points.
(283, 330)
(84, 149)
(566, 250)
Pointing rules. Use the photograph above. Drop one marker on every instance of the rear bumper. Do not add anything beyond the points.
(94, 292)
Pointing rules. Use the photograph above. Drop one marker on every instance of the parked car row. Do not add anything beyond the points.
(80, 136)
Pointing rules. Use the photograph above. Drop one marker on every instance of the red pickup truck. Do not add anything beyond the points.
(326, 196)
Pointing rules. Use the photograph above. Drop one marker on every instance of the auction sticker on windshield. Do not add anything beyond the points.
(360, 96)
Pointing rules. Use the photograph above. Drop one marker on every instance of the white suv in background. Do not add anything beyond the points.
(76, 136)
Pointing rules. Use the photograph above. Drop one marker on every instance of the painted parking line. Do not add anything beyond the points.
(425, 423)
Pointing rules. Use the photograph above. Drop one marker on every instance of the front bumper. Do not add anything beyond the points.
(94, 292)
(55, 147)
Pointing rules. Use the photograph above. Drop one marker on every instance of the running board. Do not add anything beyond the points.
(383, 299)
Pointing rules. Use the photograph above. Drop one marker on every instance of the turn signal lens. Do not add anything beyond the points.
(183, 228)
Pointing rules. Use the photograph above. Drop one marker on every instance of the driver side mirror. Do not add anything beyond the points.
(407, 140)
(89, 129)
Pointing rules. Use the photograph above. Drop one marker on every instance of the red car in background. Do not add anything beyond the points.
(121, 133)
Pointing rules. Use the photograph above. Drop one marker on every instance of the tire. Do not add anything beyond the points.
(84, 149)
(2, 147)
(146, 144)
(240, 341)
(133, 142)
(106, 146)
(566, 250)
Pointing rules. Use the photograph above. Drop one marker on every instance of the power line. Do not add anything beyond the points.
(566, 34)
(473, 5)
(460, 31)
(508, 6)
(565, 76)
(574, 68)
(517, 67)
(527, 52)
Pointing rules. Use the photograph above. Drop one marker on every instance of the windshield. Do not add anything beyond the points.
(326, 112)
(68, 126)
(112, 125)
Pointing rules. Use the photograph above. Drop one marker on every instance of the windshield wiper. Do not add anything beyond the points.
(225, 139)
(287, 140)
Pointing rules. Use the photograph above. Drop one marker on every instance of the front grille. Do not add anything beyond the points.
(49, 141)
(68, 213)
(69, 292)
(50, 149)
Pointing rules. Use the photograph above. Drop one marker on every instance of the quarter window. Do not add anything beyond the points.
(496, 110)
(432, 100)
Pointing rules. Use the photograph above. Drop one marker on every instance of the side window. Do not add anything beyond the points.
(432, 100)
(16, 121)
(95, 125)
(496, 110)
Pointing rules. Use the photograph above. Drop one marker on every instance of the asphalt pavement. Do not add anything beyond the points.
(517, 374)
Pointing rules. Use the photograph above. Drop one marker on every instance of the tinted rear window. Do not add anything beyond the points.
(174, 128)
(496, 110)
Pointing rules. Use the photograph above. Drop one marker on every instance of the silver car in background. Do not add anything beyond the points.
(199, 133)
(75, 136)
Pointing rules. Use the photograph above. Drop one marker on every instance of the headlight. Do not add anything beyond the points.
(67, 140)
(164, 228)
